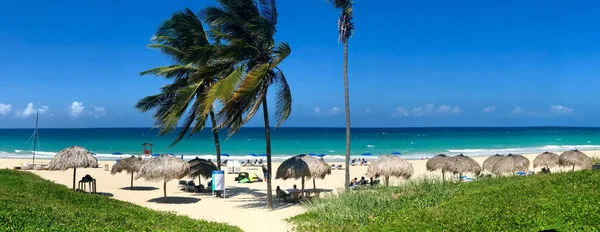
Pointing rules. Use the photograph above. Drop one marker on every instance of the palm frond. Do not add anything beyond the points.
(171, 71)
(269, 10)
(169, 51)
(345, 25)
(340, 4)
(283, 99)
(168, 115)
(281, 51)
(223, 89)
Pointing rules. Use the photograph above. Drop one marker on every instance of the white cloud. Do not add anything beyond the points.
(31, 110)
(5, 108)
(489, 109)
(43, 109)
(28, 111)
(559, 109)
(99, 111)
(400, 112)
(517, 110)
(429, 109)
(368, 111)
(334, 110)
(76, 109)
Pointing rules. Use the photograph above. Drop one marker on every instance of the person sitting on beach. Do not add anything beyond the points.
(265, 172)
(281, 194)
(371, 181)
(260, 162)
(354, 182)
(363, 181)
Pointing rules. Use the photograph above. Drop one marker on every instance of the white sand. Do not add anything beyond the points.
(244, 205)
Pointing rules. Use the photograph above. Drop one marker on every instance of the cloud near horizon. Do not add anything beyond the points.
(333, 111)
(30, 110)
(429, 109)
(489, 109)
(559, 109)
(76, 109)
(5, 109)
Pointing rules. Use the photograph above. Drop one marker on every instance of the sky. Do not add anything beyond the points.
(411, 63)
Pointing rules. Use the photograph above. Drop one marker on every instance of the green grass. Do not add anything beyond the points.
(562, 201)
(30, 203)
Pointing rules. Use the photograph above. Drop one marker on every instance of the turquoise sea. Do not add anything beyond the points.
(413, 143)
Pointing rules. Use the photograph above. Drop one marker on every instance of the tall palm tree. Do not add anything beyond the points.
(345, 29)
(183, 39)
(247, 30)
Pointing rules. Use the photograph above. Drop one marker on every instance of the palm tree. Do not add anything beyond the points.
(247, 31)
(183, 39)
(345, 29)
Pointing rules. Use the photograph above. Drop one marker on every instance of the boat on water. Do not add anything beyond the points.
(34, 139)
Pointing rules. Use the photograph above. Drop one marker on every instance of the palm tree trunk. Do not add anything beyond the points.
(216, 137)
(268, 151)
(347, 105)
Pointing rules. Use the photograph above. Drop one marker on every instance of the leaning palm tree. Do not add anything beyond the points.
(246, 31)
(345, 29)
(183, 39)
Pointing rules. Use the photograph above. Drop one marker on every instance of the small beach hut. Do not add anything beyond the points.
(438, 162)
(164, 168)
(488, 164)
(131, 165)
(201, 168)
(461, 164)
(546, 159)
(575, 158)
(73, 157)
(301, 167)
(390, 165)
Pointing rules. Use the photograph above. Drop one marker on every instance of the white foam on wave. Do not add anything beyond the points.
(522, 150)
(369, 145)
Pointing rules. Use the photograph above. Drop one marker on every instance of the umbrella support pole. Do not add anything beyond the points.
(132, 179)
(74, 174)
(443, 176)
(459, 177)
(302, 186)
(314, 184)
(573, 168)
(387, 181)
(165, 188)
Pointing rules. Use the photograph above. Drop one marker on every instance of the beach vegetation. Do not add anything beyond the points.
(345, 31)
(559, 201)
(31, 203)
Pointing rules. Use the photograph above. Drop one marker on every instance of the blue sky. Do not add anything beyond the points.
(412, 63)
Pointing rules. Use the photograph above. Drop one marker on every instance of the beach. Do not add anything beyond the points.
(244, 205)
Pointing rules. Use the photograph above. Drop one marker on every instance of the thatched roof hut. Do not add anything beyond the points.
(131, 165)
(390, 165)
(201, 168)
(438, 162)
(575, 158)
(546, 159)
(164, 168)
(463, 164)
(521, 162)
(73, 157)
(488, 164)
(303, 166)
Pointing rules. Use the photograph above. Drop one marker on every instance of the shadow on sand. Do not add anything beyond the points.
(175, 200)
(105, 194)
(139, 188)
(257, 199)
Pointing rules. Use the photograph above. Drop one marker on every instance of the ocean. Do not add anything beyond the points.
(413, 143)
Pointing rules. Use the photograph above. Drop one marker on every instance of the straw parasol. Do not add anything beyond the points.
(438, 162)
(201, 168)
(303, 166)
(131, 165)
(546, 159)
(510, 164)
(575, 158)
(73, 157)
(463, 164)
(488, 164)
(521, 162)
(164, 168)
(390, 165)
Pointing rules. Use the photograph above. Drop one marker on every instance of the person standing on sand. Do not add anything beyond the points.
(265, 172)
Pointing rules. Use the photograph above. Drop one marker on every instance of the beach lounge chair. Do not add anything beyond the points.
(340, 167)
(190, 186)
(521, 173)
(333, 167)
(237, 167)
(230, 168)
(182, 185)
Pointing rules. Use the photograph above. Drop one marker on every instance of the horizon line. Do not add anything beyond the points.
(320, 127)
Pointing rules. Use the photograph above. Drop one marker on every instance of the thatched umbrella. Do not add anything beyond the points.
(201, 168)
(438, 162)
(488, 164)
(510, 164)
(131, 165)
(463, 164)
(301, 167)
(575, 158)
(546, 159)
(390, 165)
(73, 157)
(164, 168)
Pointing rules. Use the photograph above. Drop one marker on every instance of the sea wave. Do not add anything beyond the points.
(522, 150)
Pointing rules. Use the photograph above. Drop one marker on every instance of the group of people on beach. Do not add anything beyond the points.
(363, 182)
(256, 162)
